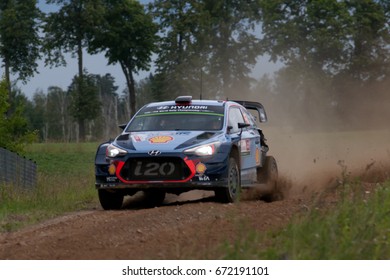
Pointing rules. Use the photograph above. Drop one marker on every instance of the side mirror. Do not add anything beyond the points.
(242, 125)
(123, 126)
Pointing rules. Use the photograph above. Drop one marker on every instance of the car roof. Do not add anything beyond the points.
(188, 103)
(193, 102)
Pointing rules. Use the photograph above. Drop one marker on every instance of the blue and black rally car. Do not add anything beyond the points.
(182, 145)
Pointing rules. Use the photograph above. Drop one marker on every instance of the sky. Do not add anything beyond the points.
(97, 64)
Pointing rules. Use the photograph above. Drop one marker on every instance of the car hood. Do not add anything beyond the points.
(164, 140)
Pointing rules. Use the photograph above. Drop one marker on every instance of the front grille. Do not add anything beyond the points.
(155, 169)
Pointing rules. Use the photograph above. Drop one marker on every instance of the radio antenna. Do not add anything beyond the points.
(201, 84)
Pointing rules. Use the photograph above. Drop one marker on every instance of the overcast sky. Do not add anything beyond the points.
(96, 64)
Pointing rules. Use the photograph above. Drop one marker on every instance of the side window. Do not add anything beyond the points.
(235, 117)
(249, 119)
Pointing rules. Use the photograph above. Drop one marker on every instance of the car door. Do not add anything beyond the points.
(258, 113)
(254, 136)
(247, 138)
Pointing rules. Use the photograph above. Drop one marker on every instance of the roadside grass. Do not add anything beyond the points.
(65, 184)
(357, 227)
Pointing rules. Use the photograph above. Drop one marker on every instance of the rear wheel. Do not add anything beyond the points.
(268, 175)
(232, 192)
(110, 200)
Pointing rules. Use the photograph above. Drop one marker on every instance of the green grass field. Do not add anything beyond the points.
(65, 184)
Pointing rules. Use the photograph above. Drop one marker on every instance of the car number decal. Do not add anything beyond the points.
(154, 169)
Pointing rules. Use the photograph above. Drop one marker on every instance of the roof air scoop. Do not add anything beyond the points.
(183, 100)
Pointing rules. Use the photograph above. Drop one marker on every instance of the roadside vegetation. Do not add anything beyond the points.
(355, 225)
(65, 184)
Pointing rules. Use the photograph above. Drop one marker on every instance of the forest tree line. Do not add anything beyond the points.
(334, 56)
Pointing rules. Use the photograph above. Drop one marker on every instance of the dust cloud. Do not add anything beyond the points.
(353, 143)
(314, 160)
(320, 140)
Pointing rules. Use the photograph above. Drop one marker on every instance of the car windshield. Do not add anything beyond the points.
(175, 121)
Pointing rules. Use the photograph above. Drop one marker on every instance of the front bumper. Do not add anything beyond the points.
(187, 186)
(203, 174)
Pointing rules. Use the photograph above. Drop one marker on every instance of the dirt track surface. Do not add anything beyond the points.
(179, 230)
(193, 226)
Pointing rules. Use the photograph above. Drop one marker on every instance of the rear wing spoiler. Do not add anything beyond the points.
(251, 105)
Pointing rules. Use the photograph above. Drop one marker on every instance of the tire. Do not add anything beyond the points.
(268, 175)
(232, 192)
(110, 200)
(154, 198)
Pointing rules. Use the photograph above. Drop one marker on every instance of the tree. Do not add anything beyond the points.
(182, 51)
(208, 46)
(58, 116)
(234, 45)
(145, 91)
(369, 53)
(127, 35)
(14, 133)
(19, 38)
(313, 34)
(329, 37)
(334, 52)
(106, 124)
(36, 114)
(67, 31)
(84, 103)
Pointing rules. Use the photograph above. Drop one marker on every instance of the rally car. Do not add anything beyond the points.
(182, 145)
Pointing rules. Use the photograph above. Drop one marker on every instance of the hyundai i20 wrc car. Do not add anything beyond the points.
(182, 145)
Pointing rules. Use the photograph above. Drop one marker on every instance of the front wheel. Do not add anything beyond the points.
(154, 198)
(232, 192)
(110, 200)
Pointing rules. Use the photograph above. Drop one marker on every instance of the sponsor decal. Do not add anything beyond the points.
(189, 107)
(111, 179)
(204, 178)
(200, 168)
(179, 108)
(162, 139)
(257, 156)
(154, 153)
(112, 169)
(163, 108)
(137, 138)
(245, 147)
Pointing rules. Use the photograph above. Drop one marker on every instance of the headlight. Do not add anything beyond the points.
(204, 150)
(113, 151)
